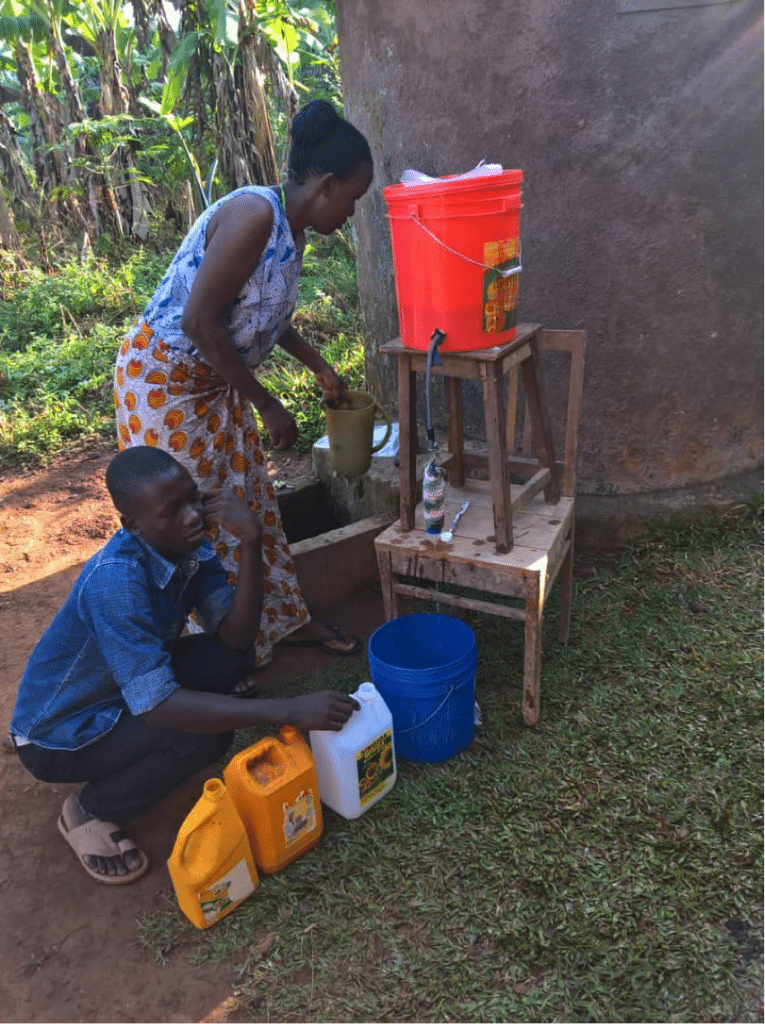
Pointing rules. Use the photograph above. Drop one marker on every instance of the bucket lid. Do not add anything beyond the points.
(451, 185)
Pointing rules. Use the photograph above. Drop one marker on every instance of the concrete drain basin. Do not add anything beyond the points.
(333, 555)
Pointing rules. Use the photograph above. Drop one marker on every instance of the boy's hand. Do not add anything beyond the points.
(223, 507)
(324, 710)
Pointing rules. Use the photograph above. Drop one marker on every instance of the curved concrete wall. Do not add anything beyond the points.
(638, 126)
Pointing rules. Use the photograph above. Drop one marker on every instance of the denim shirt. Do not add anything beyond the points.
(108, 648)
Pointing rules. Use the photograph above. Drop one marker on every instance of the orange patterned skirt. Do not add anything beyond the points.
(168, 400)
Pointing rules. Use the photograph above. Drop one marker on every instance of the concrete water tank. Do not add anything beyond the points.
(638, 126)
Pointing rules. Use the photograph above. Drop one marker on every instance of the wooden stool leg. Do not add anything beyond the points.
(566, 589)
(511, 410)
(499, 475)
(389, 596)
(455, 432)
(537, 409)
(407, 442)
(532, 650)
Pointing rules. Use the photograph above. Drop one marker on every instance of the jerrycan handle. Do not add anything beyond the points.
(266, 746)
(389, 428)
(289, 734)
(213, 792)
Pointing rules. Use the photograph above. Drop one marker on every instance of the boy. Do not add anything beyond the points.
(113, 695)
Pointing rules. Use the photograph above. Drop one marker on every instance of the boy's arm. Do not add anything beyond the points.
(239, 626)
(195, 711)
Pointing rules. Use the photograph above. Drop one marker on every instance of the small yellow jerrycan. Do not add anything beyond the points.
(273, 785)
(211, 865)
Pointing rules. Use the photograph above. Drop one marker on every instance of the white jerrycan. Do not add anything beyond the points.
(356, 766)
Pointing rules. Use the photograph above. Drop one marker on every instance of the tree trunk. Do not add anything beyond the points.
(143, 11)
(133, 202)
(103, 205)
(9, 236)
(282, 91)
(259, 141)
(51, 160)
(245, 146)
(15, 177)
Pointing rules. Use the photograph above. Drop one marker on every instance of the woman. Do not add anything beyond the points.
(185, 378)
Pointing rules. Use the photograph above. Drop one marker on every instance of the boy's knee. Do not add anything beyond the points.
(199, 750)
(244, 661)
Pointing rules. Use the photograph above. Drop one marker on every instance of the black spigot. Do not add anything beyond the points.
(437, 338)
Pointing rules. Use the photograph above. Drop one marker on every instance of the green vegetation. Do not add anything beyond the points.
(605, 867)
(114, 110)
(59, 335)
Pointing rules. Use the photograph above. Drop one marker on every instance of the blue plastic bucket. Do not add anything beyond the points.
(424, 666)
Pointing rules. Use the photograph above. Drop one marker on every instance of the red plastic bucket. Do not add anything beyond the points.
(456, 259)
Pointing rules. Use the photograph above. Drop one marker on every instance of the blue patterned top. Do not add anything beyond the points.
(262, 309)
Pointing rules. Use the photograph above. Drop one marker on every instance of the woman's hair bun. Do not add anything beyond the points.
(315, 123)
(323, 141)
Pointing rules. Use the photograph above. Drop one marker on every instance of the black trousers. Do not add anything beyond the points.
(130, 768)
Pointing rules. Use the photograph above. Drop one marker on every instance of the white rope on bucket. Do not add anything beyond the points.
(502, 273)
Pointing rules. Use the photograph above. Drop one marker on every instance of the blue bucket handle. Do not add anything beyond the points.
(430, 719)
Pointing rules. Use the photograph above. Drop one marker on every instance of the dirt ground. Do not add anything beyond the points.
(68, 948)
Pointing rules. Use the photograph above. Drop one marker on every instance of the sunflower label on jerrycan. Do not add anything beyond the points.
(356, 766)
(274, 787)
(211, 866)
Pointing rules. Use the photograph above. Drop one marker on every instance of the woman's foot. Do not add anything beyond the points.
(101, 847)
(247, 687)
(329, 638)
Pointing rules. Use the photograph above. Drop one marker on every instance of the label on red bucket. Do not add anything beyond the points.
(500, 294)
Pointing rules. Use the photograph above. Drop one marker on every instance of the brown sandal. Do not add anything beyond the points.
(96, 838)
(324, 643)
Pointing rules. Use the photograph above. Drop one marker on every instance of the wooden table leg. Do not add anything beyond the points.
(499, 473)
(454, 428)
(532, 648)
(407, 441)
(387, 583)
(537, 408)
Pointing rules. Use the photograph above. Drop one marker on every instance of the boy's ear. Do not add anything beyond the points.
(128, 523)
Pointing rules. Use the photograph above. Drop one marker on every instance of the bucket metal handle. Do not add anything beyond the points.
(430, 719)
(502, 273)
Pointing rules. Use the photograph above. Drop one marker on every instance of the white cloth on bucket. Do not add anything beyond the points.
(410, 177)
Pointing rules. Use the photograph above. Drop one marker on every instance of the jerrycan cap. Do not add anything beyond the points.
(214, 790)
(367, 691)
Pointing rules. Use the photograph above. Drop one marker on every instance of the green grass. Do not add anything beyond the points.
(604, 867)
(59, 335)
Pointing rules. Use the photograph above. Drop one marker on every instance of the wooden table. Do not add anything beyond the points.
(490, 366)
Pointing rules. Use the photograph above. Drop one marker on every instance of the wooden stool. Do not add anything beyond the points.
(467, 572)
(490, 366)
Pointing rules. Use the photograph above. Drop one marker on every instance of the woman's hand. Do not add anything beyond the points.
(332, 386)
(279, 423)
(223, 507)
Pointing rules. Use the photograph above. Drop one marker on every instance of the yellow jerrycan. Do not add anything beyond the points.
(273, 785)
(211, 865)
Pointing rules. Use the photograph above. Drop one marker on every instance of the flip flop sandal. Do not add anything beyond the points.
(246, 687)
(324, 643)
(96, 838)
